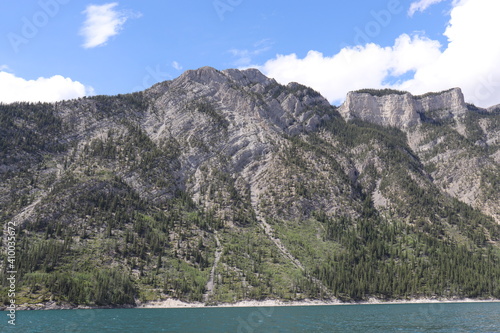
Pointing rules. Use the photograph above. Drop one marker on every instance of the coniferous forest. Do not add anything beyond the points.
(218, 187)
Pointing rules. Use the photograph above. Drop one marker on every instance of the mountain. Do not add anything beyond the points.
(221, 186)
(458, 143)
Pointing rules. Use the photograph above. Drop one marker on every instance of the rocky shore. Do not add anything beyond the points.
(175, 303)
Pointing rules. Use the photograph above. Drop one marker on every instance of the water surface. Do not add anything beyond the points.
(436, 317)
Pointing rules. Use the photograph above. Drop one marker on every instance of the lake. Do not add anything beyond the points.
(434, 317)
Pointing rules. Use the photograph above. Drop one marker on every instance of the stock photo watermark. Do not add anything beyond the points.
(254, 320)
(428, 313)
(86, 316)
(223, 6)
(486, 88)
(11, 273)
(381, 19)
(10, 243)
(154, 75)
(31, 26)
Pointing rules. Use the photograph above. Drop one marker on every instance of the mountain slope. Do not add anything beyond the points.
(223, 186)
(458, 143)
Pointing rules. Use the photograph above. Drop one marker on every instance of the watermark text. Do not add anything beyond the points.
(11, 272)
(31, 26)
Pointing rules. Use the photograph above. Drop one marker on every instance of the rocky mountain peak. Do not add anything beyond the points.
(451, 100)
(402, 109)
(210, 75)
(202, 75)
(248, 76)
(494, 108)
(233, 95)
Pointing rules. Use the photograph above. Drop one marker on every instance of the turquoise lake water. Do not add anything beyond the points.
(460, 317)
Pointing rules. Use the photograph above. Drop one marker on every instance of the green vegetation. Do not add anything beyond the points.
(427, 245)
(381, 92)
(390, 259)
(387, 91)
(430, 94)
(29, 128)
(208, 109)
(113, 209)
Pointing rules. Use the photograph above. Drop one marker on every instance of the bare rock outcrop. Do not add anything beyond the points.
(402, 109)
(458, 142)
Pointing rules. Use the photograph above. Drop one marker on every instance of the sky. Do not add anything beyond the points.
(53, 50)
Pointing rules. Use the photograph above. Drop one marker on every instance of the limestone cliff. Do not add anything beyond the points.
(403, 110)
(458, 142)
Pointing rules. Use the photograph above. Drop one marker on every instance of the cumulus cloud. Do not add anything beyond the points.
(354, 67)
(414, 63)
(422, 5)
(103, 22)
(471, 59)
(55, 88)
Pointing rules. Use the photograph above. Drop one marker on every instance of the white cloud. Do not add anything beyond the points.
(103, 22)
(55, 88)
(421, 5)
(469, 61)
(353, 68)
(176, 65)
(4, 68)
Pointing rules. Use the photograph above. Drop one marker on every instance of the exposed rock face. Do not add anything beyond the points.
(235, 94)
(221, 186)
(434, 123)
(391, 110)
(241, 114)
(448, 103)
(494, 108)
(403, 110)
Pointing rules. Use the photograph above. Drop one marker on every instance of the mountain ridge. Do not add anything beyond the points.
(418, 116)
(220, 186)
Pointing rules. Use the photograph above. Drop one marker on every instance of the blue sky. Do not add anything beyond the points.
(58, 49)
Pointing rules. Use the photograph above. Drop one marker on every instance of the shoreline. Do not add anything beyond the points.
(178, 304)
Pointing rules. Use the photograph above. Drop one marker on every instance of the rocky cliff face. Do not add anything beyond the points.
(221, 186)
(459, 143)
(240, 116)
(403, 110)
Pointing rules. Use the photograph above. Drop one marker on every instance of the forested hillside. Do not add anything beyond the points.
(218, 186)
